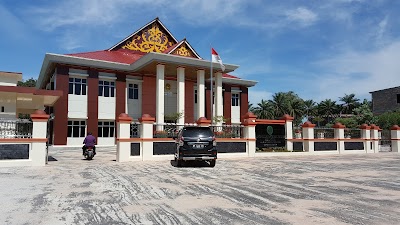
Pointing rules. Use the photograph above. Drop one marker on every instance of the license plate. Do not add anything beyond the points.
(198, 146)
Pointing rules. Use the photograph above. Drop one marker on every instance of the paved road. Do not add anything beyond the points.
(345, 189)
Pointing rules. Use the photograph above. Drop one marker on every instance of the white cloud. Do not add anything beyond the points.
(359, 72)
(302, 16)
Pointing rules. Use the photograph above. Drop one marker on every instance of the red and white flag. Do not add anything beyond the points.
(215, 58)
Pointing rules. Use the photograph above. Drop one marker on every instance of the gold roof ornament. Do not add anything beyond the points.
(151, 40)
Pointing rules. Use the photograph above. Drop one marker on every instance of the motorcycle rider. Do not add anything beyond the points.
(90, 141)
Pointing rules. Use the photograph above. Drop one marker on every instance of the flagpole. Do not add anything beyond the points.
(211, 86)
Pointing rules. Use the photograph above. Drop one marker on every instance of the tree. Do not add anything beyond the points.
(264, 110)
(327, 108)
(349, 103)
(364, 114)
(388, 119)
(310, 108)
(31, 82)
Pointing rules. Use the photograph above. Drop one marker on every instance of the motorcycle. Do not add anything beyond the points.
(89, 153)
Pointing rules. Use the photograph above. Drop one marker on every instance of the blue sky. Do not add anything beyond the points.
(317, 48)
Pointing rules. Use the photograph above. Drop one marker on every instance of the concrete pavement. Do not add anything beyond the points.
(337, 189)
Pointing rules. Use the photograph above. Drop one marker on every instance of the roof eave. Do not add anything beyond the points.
(247, 83)
(181, 60)
(66, 59)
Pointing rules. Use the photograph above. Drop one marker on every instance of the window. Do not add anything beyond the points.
(2, 109)
(76, 128)
(77, 86)
(235, 99)
(398, 98)
(106, 88)
(195, 96)
(106, 129)
(133, 91)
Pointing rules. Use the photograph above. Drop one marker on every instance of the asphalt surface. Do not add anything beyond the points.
(335, 189)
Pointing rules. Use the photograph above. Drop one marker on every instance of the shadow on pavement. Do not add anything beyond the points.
(51, 159)
(192, 164)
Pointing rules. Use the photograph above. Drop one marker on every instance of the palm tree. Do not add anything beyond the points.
(279, 104)
(296, 109)
(310, 108)
(327, 108)
(350, 102)
(264, 110)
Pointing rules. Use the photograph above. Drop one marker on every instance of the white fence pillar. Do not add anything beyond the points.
(123, 145)
(146, 134)
(339, 136)
(288, 131)
(308, 136)
(249, 133)
(38, 152)
(366, 136)
(395, 136)
(375, 138)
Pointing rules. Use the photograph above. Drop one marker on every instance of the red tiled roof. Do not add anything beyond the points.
(229, 76)
(119, 56)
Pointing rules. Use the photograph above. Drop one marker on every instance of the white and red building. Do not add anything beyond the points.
(148, 72)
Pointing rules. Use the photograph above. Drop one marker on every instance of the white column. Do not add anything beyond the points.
(160, 95)
(181, 94)
(218, 96)
(200, 94)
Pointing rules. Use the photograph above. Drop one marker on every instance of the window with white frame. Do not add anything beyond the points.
(235, 99)
(76, 128)
(106, 88)
(77, 86)
(106, 128)
(133, 91)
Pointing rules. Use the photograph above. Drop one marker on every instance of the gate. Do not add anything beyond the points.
(385, 141)
(270, 136)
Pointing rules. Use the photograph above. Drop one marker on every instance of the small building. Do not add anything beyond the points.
(386, 100)
(148, 72)
(15, 100)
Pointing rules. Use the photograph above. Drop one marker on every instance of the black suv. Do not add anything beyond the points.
(196, 143)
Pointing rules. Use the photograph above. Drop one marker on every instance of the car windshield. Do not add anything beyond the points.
(197, 132)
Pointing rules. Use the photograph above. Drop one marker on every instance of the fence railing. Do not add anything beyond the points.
(16, 129)
(350, 133)
(324, 133)
(228, 131)
(168, 130)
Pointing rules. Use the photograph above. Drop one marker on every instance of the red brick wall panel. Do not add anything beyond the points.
(149, 96)
(189, 102)
(93, 102)
(244, 102)
(61, 107)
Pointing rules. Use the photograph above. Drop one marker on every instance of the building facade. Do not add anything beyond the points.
(386, 100)
(148, 72)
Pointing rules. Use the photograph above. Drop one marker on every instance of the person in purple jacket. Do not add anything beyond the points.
(90, 141)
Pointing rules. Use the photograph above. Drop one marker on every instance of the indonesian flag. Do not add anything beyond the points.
(215, 58)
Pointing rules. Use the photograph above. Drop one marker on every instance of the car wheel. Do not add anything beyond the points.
(212, 163)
